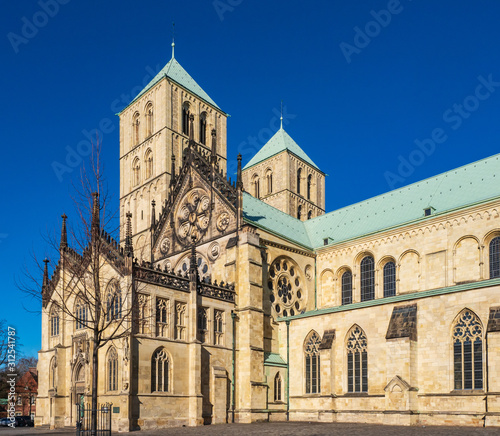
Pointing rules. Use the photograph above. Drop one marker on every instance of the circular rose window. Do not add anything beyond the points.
(286, 285)
(193, 215)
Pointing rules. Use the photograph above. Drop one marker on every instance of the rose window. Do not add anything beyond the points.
(193, 216)
(286, 285)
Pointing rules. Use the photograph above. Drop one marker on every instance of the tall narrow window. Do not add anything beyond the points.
(112, 370)
(309, 215)
(389, 279)
(161, 317)
(160, 371)
(148, 161)
(136, 169)
(277, 387)
(135, 128)
(347, 287)
(203, 128)
(309, 183)
(180, 321)
(299, 177)
(81, 314)
(367, 279)
(312, 376)
(113, 302)
(256, 186)
(185, 118)
(468, 352)
(495, 258)
(54, 321)
(357, 361)
(218, 327)
(143, 303)
(203, 324)
(149, 119)
(299, 212)
(269, 179)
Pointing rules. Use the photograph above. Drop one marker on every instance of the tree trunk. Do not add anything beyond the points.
(95, 372)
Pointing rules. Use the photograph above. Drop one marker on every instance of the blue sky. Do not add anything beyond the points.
(363, 84)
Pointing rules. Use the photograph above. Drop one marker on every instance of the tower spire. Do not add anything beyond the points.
(128, 249)
(173, 39)
(281, 118)
(64, 233)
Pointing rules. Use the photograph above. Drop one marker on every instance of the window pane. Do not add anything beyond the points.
(467, 365)
(389, 279)
(495, 258)
(457, 356)
(478, 364)
(357, 372)
(350, 373)
(367, 279)
(347, 288)
(364, 364)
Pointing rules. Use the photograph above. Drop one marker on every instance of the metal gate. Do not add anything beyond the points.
(84, 420)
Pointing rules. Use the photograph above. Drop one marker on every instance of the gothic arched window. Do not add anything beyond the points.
(256, 186)
(367, 279)
(299, 212)
(112, 368)
(309, 214)
(54, 321)
(113, 302)
(312, 373)
(162, 317)
(149, 119)
(160, 371)
(309, 183)
(277, 387)
(299, 177)
(135, 128)
(495, 258)
(136, 170)
(347, 287)
(148, 161)
(468, 351)
(357, 360)
(203, 128)
(389, 279)
(269, 178)
(81, 314)
(185, 118)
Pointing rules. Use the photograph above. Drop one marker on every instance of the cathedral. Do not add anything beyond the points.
(252, 303)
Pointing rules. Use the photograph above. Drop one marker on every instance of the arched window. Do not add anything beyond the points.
(299, 212)
(81, 314)
(161, 317)
(185, 118)
(309, 214)
(136, 170)
(256, 186)
(347, 287)
(203, 128)
(468, 351)
(52, 373)
(299, 176)
(112, 368)
(149, 119)
(309, 183)
(54, 321)
(495, 258)
(389, 279)
(135, 128)
(269, 178)
(160, 371)
(277, 387)
(113, 302)
(312, 376)
(367, 279)
(357, 360)
(148, 162)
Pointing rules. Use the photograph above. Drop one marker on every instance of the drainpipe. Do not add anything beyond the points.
(315, 284)
(233, 316)
(287, 369)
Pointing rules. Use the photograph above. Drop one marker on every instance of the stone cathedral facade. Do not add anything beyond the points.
(252, 303)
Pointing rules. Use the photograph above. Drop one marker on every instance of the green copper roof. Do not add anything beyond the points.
(455, 189)
(280, 141)
(174, 71)
(273, 359)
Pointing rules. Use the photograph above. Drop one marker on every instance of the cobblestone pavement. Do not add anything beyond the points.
(284, 429)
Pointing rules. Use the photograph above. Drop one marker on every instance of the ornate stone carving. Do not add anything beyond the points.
(214, 251)
(309, 272)
(223, 221)
(193, 216)
(165, 245)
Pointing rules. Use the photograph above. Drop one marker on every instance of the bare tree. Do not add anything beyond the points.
(96, 289)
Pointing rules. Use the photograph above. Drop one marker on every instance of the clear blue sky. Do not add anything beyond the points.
(358, 94)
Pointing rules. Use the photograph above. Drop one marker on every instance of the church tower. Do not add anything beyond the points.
(155, 128)
(282, 175)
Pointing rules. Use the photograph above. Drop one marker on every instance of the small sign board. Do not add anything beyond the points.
(116, 410)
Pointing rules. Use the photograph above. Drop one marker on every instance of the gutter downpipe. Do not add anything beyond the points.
(315, 283)
(287, 370)
(233, 316)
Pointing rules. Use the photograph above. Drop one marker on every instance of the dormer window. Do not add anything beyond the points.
(429, 211)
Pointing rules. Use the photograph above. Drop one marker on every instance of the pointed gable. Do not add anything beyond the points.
(174, 71)
(281, 141)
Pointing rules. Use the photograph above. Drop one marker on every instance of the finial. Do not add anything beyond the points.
(173, 39)
(129, 250)
(45, 274)
(214, 146)
(64, 234)
(281, 118)
(191, 127)
(172, 170)
(153, 214)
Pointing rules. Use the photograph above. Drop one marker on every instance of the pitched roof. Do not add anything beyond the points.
(462, 187)
(280, 141)
(174, 71)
